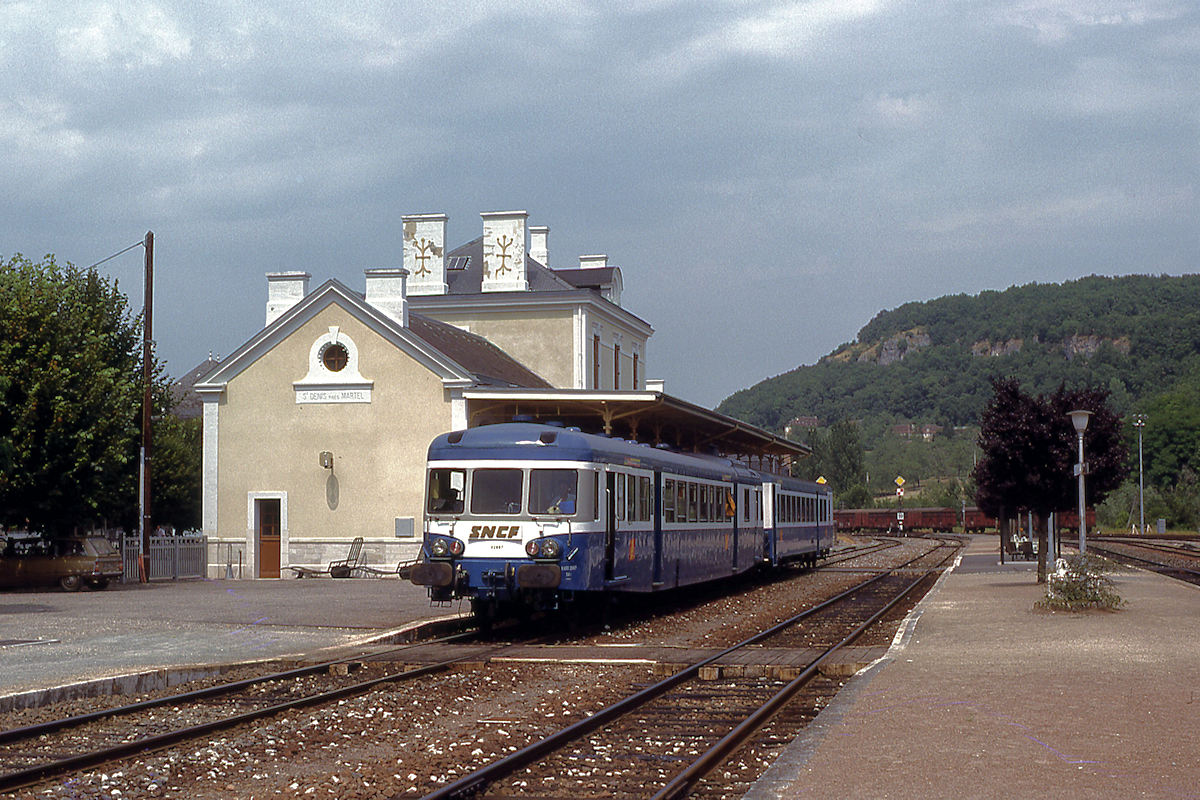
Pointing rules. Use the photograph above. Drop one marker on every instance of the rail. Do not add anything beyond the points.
(532, 753)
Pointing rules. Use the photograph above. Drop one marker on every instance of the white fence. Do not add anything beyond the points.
(183, 557)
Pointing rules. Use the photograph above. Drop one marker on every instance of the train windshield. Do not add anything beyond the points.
(446, 491)
(553, 491)
(496, 491)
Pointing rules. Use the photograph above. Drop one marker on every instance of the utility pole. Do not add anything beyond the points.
(147, 398)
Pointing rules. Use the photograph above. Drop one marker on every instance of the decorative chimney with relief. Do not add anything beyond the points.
(504, 251)
(425, 253)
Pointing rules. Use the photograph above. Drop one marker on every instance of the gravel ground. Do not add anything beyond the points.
(409, 738)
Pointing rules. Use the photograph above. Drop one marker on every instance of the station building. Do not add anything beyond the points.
(316, 429)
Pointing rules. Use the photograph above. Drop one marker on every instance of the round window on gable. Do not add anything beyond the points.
(335, 357)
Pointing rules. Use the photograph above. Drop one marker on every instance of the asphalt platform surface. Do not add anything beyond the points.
(52, 638)
(984, 696)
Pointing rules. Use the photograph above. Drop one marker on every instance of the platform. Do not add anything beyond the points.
(51, 638)
(982, 696)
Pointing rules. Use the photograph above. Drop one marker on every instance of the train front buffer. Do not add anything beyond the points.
(525, 561)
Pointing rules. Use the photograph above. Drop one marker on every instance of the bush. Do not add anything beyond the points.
(1079, 582)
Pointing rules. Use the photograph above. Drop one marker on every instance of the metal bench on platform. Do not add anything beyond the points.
(402, 569)
(342, 568)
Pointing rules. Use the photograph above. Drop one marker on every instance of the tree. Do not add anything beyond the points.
(837, 457)
(178, 450)
(1029, 447)
(70, 385)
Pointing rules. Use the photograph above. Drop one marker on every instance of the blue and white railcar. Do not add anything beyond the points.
(798, 518)
(535, 514)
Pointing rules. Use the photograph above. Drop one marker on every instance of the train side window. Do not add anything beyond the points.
(446, 491)
(496, 491)
(746, 504)
(595, 495)
(668, 500)
(758, 503)
(620, 499)
(631, 498)
(644, 499)
(693, 502)
(681, 501)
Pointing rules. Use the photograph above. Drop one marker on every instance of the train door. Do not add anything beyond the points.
(656, 510)
(730, 512)
(768, 521)
(610, 524)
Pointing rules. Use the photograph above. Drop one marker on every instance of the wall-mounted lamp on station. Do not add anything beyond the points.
(326, 459)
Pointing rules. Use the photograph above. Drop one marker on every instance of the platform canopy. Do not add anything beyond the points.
(645, 416)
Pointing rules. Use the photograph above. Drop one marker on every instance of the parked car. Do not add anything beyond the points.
(71, 563)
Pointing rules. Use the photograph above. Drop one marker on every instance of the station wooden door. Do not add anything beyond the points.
(268, 516)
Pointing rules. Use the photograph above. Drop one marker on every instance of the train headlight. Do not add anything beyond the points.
(439, 547)
(456, 547)
(543, 548)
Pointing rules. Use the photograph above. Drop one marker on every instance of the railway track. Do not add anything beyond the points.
(31, 754)
(666, 739)
(91, 745)
(1179, 562)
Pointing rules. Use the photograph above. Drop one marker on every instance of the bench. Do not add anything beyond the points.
(342, 568)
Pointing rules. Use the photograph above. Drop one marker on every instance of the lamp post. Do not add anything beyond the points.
(1139, 422)
(1079, 419)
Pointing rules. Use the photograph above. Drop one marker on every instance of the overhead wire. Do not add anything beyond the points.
(114, 255)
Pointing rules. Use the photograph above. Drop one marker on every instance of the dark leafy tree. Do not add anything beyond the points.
(176, 478)
(837, 457)
(70, 398)
(1029, 447)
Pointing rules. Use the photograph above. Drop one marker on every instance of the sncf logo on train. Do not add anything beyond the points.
(495, 532)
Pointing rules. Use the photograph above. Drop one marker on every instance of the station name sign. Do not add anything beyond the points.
(333, 395)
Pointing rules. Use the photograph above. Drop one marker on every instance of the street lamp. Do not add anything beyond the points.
(1080, 420)
(1139, 422)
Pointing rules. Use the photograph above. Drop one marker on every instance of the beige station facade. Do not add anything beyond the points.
(316, 429)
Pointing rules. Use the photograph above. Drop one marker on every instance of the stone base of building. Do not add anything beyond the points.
(227, 558)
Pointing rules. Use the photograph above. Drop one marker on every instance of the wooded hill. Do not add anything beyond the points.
(932, 362)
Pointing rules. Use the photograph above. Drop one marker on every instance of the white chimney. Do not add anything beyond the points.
(593, 262)
(539, 244)
(504, 251)
(425, 253)
(284, 290)
(387, 292)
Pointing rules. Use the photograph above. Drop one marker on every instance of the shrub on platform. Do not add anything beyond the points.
(1080, 582)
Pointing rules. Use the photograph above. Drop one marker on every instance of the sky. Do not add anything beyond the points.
(768, 175)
